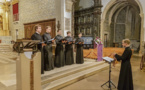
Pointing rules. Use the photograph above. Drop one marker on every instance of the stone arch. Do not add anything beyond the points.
(118, 5)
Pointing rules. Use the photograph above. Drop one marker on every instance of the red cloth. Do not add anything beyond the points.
(15, 12)
(15, 8)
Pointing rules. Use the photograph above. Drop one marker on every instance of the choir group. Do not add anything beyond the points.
(63, 56)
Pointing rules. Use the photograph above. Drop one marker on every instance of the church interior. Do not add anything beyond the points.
(109, 21)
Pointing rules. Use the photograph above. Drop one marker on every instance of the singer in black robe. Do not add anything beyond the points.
(79, 51)
(69, 57)
(37, 36)
(125, 77)
(59, 52)
(48, 60)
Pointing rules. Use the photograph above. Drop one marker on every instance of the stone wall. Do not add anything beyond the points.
(6, 39)
(31, 11)
(106, 5)
(81, 4)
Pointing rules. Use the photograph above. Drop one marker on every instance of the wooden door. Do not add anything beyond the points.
(30, 28)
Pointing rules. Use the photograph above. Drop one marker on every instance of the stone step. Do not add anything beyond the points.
(57, 74)
(3, 61)
(8, 55)
(65, 81)
(4, 44)
(65, 68)
(6, 59)
(5, 50)
(4, 47)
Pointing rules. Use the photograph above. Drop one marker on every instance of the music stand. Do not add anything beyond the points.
(109, 60)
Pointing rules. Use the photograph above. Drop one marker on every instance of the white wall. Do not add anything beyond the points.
(104, 3)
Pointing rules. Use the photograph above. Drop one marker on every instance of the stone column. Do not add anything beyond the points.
(72, 26)
(73, 11)
(142, 44)
(97, 17)
(7, 20)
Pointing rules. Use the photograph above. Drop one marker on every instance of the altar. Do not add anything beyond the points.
(4, 10)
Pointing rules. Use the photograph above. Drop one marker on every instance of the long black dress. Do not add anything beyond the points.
(69, 57)
(125, 78)
(59, 52)
(79, 51)
(48, 60)
(37, 36)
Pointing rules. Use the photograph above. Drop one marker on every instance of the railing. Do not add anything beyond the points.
(88, 46)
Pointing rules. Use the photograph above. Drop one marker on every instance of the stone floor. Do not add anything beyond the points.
(7, 71)
(8, 76)
(95, 82)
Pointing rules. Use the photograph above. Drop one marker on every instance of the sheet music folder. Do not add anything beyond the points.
(108, 59)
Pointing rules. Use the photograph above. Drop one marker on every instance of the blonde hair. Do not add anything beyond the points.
(48, 27)
(127, 41)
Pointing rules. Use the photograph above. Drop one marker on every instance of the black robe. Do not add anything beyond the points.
(69, 57)
(48, 60)
(59, 52)
(125, 77)
(37, 36)
(79, 51)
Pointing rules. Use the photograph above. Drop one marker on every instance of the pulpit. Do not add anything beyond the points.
(28, 65)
